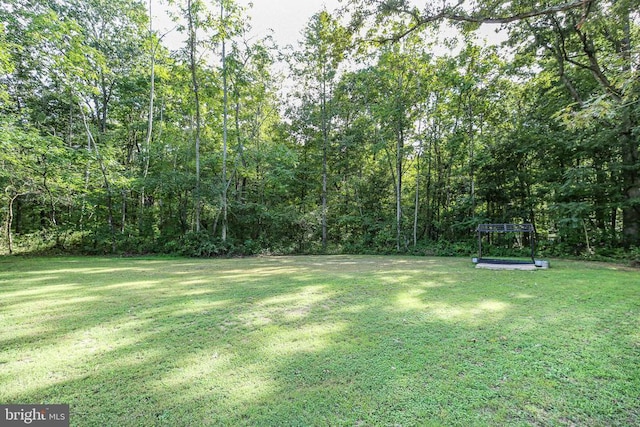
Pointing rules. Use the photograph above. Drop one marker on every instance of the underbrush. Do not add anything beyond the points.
(204, 245)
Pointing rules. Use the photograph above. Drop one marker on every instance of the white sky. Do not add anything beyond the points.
(287, 18)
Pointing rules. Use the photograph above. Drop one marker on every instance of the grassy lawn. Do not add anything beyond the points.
(337, 340)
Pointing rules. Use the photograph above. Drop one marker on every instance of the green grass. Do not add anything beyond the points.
(337, 340)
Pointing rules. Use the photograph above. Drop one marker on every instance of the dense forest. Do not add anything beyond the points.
(378, 133)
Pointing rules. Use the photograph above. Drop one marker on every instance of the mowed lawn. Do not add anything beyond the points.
(334, 340)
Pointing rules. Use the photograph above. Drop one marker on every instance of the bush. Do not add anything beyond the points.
(194, 244)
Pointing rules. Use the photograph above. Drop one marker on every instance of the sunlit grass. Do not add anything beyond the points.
(320, 341)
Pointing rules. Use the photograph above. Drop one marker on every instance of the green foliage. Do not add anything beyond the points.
(202, 245)
(383, 147)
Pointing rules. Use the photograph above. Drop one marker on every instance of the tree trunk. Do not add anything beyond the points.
(630, 155)
(225, 184)
(196, 94)
(630, 173)
(399, 158)
(10, 222)
(91, 141)
(147, 144)
(416, 206)
(325, 142)
(631, 182)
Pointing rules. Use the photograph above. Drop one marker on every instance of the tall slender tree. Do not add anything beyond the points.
(323, 49)
(192, 41)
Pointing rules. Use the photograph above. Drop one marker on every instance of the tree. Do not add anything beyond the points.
(5, 66)
(397, 82)
(191, 12)
(369, 14)
(33, 168)
(129, 147)
(154, 46)
(230, 24)
(591, 55)
(586, 39)
(323, 49)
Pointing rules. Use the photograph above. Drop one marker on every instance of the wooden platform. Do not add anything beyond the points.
(500, 264)
(494, 266)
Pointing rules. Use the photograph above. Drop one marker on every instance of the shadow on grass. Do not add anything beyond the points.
(319, 341)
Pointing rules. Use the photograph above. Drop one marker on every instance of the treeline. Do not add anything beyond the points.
(112, 143)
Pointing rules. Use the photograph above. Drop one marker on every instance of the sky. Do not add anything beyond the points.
(287, 18)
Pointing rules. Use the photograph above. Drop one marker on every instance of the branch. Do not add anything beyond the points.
(520, 16)
(559, 51)
(450, 14)
(589, 49)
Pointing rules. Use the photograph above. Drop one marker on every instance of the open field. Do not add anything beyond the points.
(336, 340)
